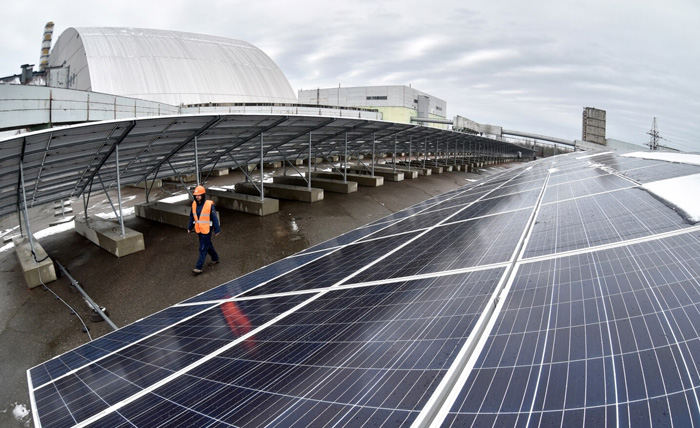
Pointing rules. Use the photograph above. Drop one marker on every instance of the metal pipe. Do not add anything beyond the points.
(107, 194)
(374, 157)
(26, 212)
(427, 120)
(345, 160)
(394, 163)
(425, 151)
(87, 298)
(262, 176)
(308, 182)
(119, 193)
(196, 160)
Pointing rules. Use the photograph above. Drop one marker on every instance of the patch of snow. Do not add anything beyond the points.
(20, 412)
(54, 230)
(553, 170)
(593, 155)
(679, 192)
(176, 198)
(469, 179)
(44, 233)
(110, 215)
(686, 158)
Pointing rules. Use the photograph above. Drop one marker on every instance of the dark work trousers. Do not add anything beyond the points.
(206, 247)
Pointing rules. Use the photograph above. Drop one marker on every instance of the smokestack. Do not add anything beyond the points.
(46, 46)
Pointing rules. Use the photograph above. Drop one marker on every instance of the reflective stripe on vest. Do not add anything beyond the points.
(203, 223)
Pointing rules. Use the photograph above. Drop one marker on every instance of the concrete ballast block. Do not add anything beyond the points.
(107, 235)
(34, 273)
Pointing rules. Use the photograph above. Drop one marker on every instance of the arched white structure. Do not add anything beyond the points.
(169, 66)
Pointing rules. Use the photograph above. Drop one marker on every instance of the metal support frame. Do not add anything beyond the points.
(99, 177)
(119, 192)
(180, 177)
(196, 160)
(245, 173)
(437, 149)
(26, 212)
(87, 298)
(394, 163)
(262, 175)
(345, 160)
(425, 151)
(374, 156)
(410, 141)
(309, 180)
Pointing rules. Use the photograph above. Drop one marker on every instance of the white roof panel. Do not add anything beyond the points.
(170, 66)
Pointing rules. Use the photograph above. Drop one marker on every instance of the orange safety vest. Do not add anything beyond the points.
(203, 223)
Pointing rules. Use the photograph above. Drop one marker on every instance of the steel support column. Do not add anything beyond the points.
(119, 192)
(374, 157)
(196, 160)
(262, 176)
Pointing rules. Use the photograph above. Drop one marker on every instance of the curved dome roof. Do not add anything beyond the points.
(169, 66)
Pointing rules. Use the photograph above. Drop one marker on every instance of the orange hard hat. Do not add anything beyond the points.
(199, 190)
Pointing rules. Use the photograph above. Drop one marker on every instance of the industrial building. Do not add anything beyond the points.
(397, 103)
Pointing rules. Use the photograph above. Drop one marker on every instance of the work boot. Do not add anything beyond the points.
(196, 271)
(214, 262)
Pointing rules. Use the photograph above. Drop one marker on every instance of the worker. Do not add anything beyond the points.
(204, 221)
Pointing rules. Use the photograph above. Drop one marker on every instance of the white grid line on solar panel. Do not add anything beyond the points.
(72, 371)
(654, 287)
(416, 222)
(689, 230)
(266, 273)
(332, 267)
(347, 238)
(146, 342)
(549, 273)
(464, 216)
(112, 342)
(314, 314)
(429, 289)
(661, 172)
(504, 203)
(600, 219)
(354, 284)
(471, 243)
(585, 187)
(578, 171)
(143, 391)
(572, 198)
(381, 258)
(518, 187)
(437, 408)
(458, 201)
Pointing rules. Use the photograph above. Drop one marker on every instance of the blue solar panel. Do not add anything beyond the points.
(600, 219)
(604, 338)
(555, 294)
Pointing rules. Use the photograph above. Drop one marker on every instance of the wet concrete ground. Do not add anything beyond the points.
(35, 326)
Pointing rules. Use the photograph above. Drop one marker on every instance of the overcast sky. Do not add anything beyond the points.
(527, 66)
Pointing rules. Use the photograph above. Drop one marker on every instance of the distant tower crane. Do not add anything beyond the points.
(654, 139)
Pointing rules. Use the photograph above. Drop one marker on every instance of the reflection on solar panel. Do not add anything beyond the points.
(554, 294)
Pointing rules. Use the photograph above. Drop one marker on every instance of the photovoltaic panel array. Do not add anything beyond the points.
(554, 293)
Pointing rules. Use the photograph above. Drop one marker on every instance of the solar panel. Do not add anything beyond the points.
(555, 293)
